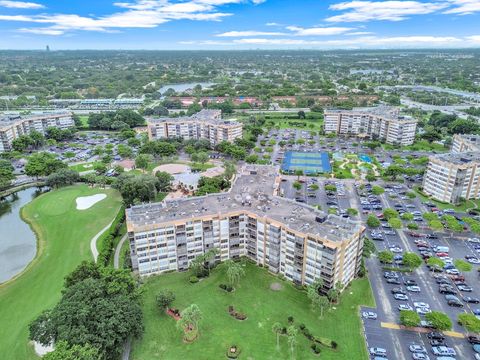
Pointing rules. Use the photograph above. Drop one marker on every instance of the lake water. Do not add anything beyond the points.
(185, 86)
(18, 243)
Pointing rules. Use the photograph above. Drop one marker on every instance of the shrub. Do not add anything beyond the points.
(193, 279)
(290, 319)
(334, 344)
(315, 348)
(301, 326)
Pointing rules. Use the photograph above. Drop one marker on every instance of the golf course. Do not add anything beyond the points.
(63, 241)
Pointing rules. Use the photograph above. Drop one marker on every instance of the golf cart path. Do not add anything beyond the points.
(93, 242)
(116, 258)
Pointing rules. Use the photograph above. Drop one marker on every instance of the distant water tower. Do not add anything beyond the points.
(48, 48)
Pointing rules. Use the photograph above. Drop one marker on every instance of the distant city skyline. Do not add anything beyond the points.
(239, 24)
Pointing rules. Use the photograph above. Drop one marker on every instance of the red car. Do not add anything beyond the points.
(442, 254)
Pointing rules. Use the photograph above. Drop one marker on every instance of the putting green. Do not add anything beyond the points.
(64, 235)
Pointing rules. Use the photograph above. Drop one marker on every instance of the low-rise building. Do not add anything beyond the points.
(453, 176)
(12, 128)
(206, 124)
(286, 237)
(382, 122)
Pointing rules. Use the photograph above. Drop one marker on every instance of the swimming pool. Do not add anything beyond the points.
(365, 158)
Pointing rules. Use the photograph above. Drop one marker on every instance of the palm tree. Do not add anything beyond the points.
(234, 272)
(323, 301)
(292, 338)
(209, 256)
(189, 319)
(277, 328)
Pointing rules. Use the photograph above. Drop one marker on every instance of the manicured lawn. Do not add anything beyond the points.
(64, 241)
(84, 166)
(84, 120)
(254, 336)
(469, 204)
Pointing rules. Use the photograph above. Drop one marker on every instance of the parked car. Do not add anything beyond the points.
(369, 315)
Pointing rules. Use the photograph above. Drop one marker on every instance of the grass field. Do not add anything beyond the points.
(254, 336)
(64, 235)
(84, 166)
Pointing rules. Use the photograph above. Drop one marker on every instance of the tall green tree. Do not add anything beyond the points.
(234, 272)
(292, 333)
(277, 329)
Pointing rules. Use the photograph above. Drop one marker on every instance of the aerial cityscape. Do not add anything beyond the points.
(240, 179)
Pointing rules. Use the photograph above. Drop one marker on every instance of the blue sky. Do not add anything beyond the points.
(238, 24)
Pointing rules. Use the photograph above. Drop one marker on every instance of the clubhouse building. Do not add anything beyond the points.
(382, 122)
(286, 237)
(206, 124)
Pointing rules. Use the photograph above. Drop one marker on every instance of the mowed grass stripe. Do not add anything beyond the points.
(64, 235)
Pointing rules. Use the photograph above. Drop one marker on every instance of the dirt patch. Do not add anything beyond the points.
(276, 286)
(172, 169)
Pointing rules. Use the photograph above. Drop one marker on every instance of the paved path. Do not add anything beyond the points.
(116, 258)
(93, 242)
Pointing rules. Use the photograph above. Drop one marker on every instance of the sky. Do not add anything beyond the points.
(238, 24)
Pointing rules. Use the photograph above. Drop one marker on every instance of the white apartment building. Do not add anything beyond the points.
(463, 143)
(383, 123)
(286, 237)
(451, 177)
(206, 124)
(10, 129)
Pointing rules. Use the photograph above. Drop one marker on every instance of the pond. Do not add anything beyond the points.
(18, 243)
(185, 86)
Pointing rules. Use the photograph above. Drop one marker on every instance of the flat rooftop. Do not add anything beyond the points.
(473, 139)
(462, 158)
(252, 191)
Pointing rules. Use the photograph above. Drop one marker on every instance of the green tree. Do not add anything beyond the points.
(62, 177)
(6, 173)
(372, 221)
(292, 333)
(439, 320)
(297, 185)
(63, 351)
(407, 216)
(43, 164)
(435, 262)
(352, 212)
(164, 181)
(142, 161)
(409, 318)
(277, 329)
(377, 190)
(395, 223)
(189, 321)
(411, 260)
(390, 213)
(165, 298)
(463, 265)
(469, 322)
(385, 257)
(234, 272)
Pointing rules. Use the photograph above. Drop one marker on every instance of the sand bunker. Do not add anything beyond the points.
(172, 169)
(86, 202)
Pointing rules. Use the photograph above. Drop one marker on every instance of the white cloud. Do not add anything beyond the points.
(391, 10)
(135, 14)
(318, 31)
(273, 24)
(368, 42)
(464, 7)
(20, 4)
(249, 33)
(357, 33)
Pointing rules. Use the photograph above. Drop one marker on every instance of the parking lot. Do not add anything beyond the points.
(425, 295)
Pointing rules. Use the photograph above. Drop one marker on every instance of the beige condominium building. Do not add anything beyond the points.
(453, 176)
(12, 128)
(382, 122)
(462, 143)
(206, 124)
(250, 220)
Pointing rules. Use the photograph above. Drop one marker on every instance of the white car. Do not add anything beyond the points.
(452, 272)
(400, 297)
(369, 315)
(421, 304)
(415, 289)
(420, 356)
(422, 311)
(474, 240)
(414, 348)
(377, 351)
(402, 307)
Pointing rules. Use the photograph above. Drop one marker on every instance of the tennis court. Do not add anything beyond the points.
(309, 163)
